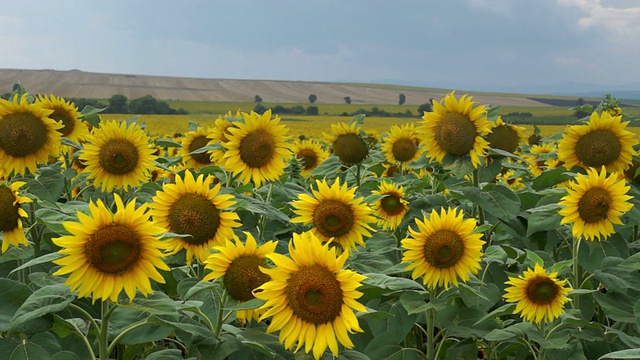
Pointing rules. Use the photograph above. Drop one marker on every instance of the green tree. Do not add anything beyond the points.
(144, 105)
(312, 110)
(118, 104)
(401, 99)
(257, 99)
(259, 108)
(347, 100)
(426, 107)
(313, 98)
(580, 101)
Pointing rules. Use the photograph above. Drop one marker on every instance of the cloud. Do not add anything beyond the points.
(622, 23)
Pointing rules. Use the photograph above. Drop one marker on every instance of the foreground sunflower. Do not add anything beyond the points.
(239, 267)
(604, 141)
(443, 249)
(505, 136)
(347, 143)
(594, 203)
(257, 150)
(10, 215)
(118, 155)
(539, 296)
(194, 140)
(311, 297)
(67, 114)
(402, 144)
(391, 207)
(110, 252)
(335, 213)
(28, 136)
(455, 127)
(310, 153)
(192, 207)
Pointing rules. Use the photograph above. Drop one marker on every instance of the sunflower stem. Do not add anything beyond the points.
(103, 340)
(431, 346)
(85, 340)
(220, 320)
(634, 235)
(477, 209)
(123, 333)
(576, 271)
(358, 165)
(263, 218)
(86, 315)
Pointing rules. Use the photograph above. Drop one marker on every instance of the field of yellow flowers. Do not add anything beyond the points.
(248, 236)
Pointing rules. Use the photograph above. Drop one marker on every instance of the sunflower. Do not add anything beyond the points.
(504, 136)
(118, 155)
(220, 134)
(391, 207)
(310, 153)
(257, 149)
(604, 141)
(67, 114)
(10, 214)
(389, 170)
(455, 127)
(443, 249)
(239, 267)
(311, 297)
(594, 203)
(510, 180)
(193, 141)
(192, 207)
(347, 143)
(539, 296)
(110, 252)
(539, 156)
(335, 213)
(28, 136)
(402, 144)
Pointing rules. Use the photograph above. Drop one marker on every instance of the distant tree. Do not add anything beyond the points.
(144, 105)
(312, 110)
(298, 109)
(401, 99)
(259, 108)
(118, 104)
(347, 100)
(313, 98)
(426, 107)
(580, 101)
(279, 109)
(258, 99)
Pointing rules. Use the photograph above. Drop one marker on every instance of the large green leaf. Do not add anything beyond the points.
(49, 299)
(28, 351)
(496, 200)
(12, 296)
(48, 185)
(623, 354)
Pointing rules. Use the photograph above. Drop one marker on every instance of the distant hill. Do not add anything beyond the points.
(80, 84)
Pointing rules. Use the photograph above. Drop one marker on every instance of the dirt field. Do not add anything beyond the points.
(75, 84)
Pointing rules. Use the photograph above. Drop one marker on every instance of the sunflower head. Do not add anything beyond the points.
(310, 153)
(193, 141)
(391, 207)
(504, 136)
(28, 136)
(311, 297)
(539, 296)
(594, 203)
(455, 127)
(443, 249)
(347, 143)
(11, 215)
(66, 113)
(402, 145)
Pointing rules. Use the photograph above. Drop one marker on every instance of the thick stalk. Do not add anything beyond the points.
(431, 315)
(576, 270)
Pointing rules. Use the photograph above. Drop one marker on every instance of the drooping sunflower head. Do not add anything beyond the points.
(539, 296)
(389, 170)
(630, 173)
(66, 113)
(118, 155)
(391, 207)
(347, 143)
(28, 136)
(11, 213)
(604, 141)
(109, 252)
(504, 136)
(443, 249)
(194, 208)
(257, 149)
(335, 214)
(239, 266)
(310, 297)
(402, 144)
(310, 153)
(594, 203)
(193, 141)
(455, 127)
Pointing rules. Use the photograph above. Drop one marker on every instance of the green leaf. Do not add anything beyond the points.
(166, 354)
(49, 299)
(357, 120)
(542, 221)
(506, 309)
(39, 260)
(47, 185)
(16, 253)
(159, 304)
(12, 296)
(496, 200)
(632, 262)
(28, 351)
(90, 115)
(622, 354)
(66, 355)
(479, 296)
(550, 178)
(534, 258)
(616, 306)
(391, 283)
(517, 330)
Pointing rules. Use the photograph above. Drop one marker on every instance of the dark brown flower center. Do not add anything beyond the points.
(404, 149)
(314, 294)
(503, 137)
(243, 276)
(391, 204)
(119, 156)
(197, 143)
(309, 158)
(350, 148)
(257, 148)
(391, 170)
(22, 134)
(114, 249)
(194, 215)
(333, 218)
(594, 205)
(630, 173)
(455, 133)
(8, 212)
(542, 290)
(443, 249)
(598, 148)
(62, 116)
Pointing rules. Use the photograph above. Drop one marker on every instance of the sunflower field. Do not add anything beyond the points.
(456, 237)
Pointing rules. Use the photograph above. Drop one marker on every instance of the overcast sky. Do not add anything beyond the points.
(491, 45)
